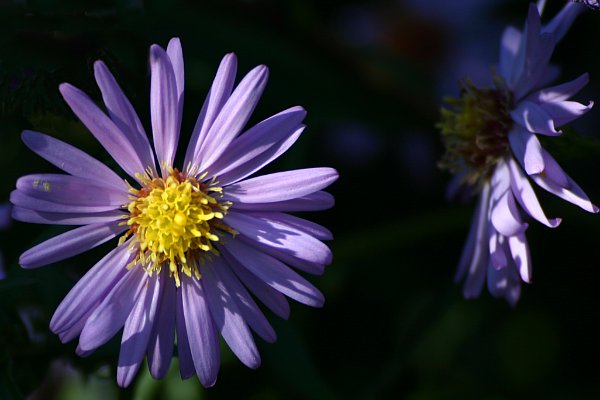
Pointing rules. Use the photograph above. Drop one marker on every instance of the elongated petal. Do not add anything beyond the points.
(70, 243)
(257, 140)
(509, 48)
(280, 186)
(526, 197)
(505, 216)
(534, 118)
(276, 274)
(498, 257)
(475, 238)
(217, 96)
(560, 92)
(137, 332)
(521, 256)
(227, 316)
(280, 236)
(186, 362)
(68, 189)
(270, 297)
(164, 107)
(527, 150)
(175, 54)
(309, 227)
(104, 129)
(504, 282)
(316, 201)
(71, 160)
(561, 23)
(111, 314)
(41, 217)
(18, 198)
(564, 112)
(160, 344)
(91, 288)
(202, 335)
(122, 113)
(233, 116)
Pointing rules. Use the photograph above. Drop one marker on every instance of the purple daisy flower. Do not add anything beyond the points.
(492, 147)
(195, 243)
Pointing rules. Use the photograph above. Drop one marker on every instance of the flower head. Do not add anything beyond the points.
(492, 147)
(195, 241)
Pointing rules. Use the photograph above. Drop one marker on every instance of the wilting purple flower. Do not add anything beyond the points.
(491, 143)
(195, 242)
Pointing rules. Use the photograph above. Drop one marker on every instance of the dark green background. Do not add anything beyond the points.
(394, 325)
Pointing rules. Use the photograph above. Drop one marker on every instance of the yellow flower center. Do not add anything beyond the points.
(175, 221)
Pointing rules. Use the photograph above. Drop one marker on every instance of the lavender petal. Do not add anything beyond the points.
(534, 118)
(527, 149)
(160, 344)
(41, 217)
(18, 198)
(519, 250)
(316, 201)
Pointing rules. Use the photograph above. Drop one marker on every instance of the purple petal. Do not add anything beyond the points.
(251, 145)
(280, 236)
(104, 129)
(308, 227)
(534, 118)
(91, 288)
(72, 160)
(18, 198)
(316, 201)
(217, 96)
(164, 108)
(68, 189)
(136, 333)
(74, 330)
(505, 216)
(504, 282)
(202, 335)
(276, 274)
(527, 150)
(280, 186)
(175, 54)
(270, 297)
(557, 182)
(70, 243)
(227, 315)
(521, 256)
(186, 362)
(41, 217)
(111, 314)
(122, 113)
(526, 197)
(564, 112)
(560, 92)
(160, 345)
(233, 116)
(509, 48)
(497, 254)
(561, 23)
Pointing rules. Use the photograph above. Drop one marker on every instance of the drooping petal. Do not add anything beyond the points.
(227, 315)
(498, 257)
(526, 197)
(280, 186)
(521, 256)
(160, 344)
(68, 189)
(104, 129)
(111, 314)
(70, 243)
(136, 332)
(316, 201)
(505, 216)
(217, 96)
(202, 336)
(476, 237)
(534, 118)
(71, 160)
(41, 217)
(270, 297)
(563, 112)
(123, 114)
(91, 288)
(527, 150)
(233, 116)
(504, 282)
(164, 108)
(275, 274)
(257, 140)
(560, 92)
(279, 236)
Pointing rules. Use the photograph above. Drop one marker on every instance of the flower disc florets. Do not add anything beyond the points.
(475, 130)
(175, 220)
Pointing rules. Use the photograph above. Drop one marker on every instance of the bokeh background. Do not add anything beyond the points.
(372, 75)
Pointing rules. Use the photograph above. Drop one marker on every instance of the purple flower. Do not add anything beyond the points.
(492, 147)
(195, 243)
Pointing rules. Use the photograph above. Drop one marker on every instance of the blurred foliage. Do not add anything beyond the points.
(369, 74)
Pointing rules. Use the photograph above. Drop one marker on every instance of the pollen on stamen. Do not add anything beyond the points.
(175, 222)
